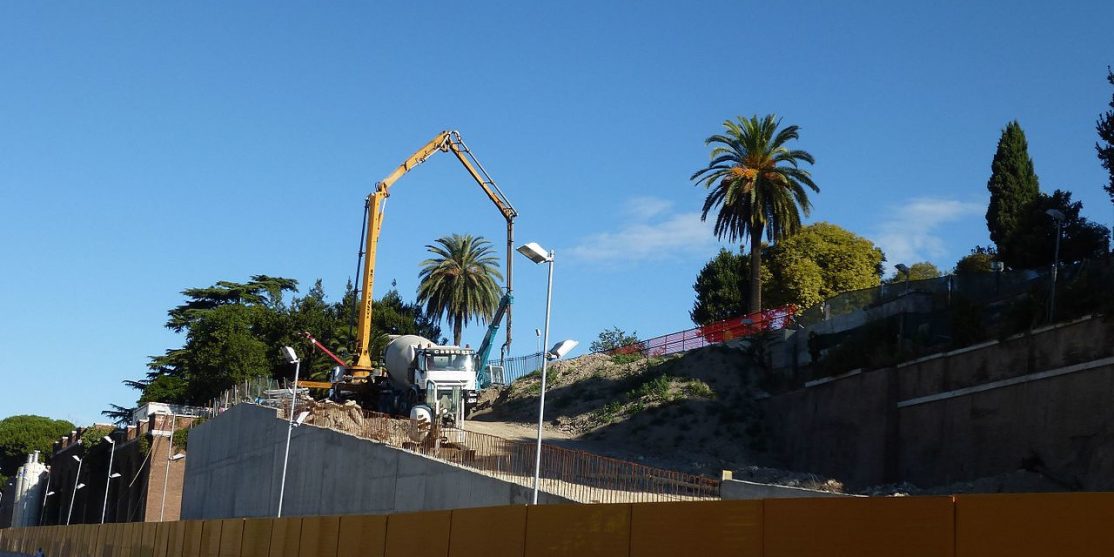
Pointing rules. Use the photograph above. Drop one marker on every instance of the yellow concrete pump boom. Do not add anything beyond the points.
(446, 141)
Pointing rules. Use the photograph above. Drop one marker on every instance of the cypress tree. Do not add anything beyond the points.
(1013, 186)
(1105, 127)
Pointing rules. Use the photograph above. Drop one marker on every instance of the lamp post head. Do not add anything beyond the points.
(79, 486)
(290, 355)
(178, 456)
(560, 349)
(77, 458)
(109, 439)
(1056, 215)
(535, 253)
(114, 475)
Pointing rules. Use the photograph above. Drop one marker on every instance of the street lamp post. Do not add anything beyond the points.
(291, 357)
(538, 255)
(111, 453)
(1058, 218)
(42, 512)
(79, 485)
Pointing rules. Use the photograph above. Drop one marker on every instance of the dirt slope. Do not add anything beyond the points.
(696, 412)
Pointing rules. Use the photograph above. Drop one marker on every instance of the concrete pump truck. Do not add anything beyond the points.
(439, 380)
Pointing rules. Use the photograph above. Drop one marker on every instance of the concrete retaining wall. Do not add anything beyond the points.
(1040, 401)
(740, 489)
(235, 467)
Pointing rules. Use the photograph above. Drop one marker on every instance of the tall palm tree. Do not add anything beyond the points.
(758, 187)
(460, 282)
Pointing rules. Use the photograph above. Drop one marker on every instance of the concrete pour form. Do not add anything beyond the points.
(234, 469)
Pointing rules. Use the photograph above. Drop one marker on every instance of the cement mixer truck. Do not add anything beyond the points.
(442, 378)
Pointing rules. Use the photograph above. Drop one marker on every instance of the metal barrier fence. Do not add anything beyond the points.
(1017, 525)
(516, 368)
(713, 333)
(575, 475)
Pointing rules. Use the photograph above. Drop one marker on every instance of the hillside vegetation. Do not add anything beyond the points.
(697, 412)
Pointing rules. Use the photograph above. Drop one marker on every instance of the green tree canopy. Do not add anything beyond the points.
(918, 271)
(460, 281)
(1105, 145)
(1013, 187)
(978, 261)
(22, 435)
(820, 261)
(756, 187)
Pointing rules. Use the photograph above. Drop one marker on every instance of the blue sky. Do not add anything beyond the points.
(146, 148)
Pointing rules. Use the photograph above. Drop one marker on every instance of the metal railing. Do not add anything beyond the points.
(712, 333)
(572, 474)
(983, 287)
(516, 368)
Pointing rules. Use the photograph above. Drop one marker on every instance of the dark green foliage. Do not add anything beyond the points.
(460, 282)
(1082, 239)
(1105, 146)
(614, 338)
(721, 288)
(391, 315)
(164, 388)
(22, 435)
(234, 331)
(180, 437)
(91, 437)
(874, 345)
(119, 415)
(967, 322)
(978, 261)
(756, 186)
(1013, 186)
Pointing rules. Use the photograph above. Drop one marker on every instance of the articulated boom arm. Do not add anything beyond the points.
(483, 353)
(444, 141)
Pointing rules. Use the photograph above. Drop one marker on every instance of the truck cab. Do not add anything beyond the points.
(448, 379)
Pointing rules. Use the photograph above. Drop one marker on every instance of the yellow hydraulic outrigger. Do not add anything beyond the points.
(446, 141)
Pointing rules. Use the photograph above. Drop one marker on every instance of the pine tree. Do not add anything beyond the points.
(1013, 186)
(1105, 127)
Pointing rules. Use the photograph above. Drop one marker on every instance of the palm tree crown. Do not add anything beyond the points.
(757, 185)
(460, 282)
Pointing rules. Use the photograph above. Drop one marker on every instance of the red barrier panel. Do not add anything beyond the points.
(712, 333)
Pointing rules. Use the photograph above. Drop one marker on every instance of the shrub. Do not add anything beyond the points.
(614, 339)
(621, 359)
(698, 389)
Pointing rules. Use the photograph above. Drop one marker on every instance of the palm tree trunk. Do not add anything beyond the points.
(458, 325)
(755, 268)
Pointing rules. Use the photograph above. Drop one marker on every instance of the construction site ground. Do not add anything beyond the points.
(697, 412)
